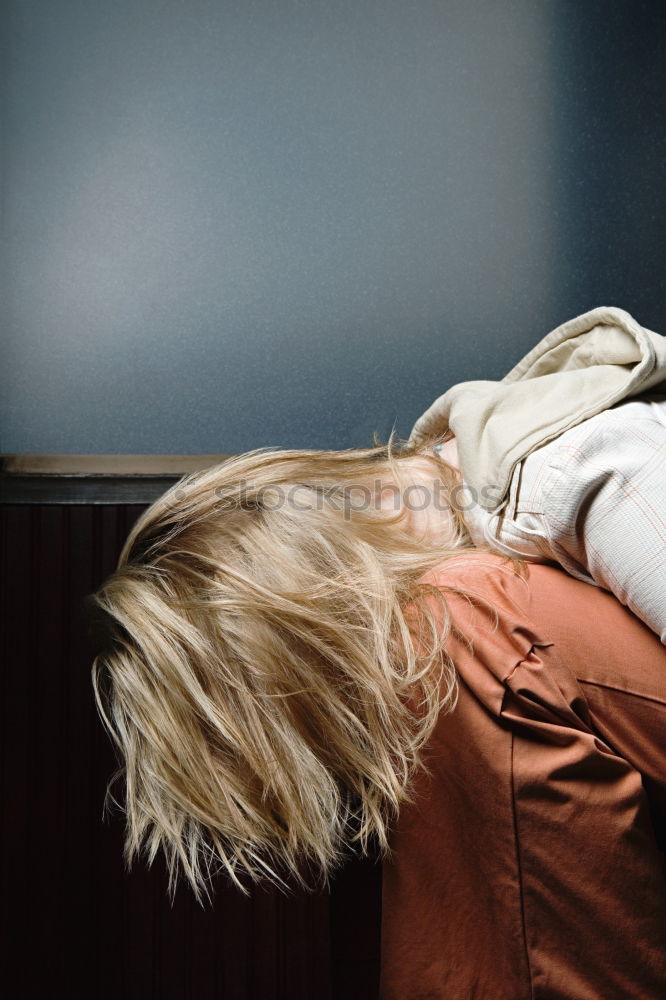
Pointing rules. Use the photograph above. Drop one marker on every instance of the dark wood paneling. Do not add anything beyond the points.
(91, 927)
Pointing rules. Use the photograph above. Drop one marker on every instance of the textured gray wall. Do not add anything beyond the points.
(293, 222)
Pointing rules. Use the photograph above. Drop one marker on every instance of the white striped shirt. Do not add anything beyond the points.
(594, 501)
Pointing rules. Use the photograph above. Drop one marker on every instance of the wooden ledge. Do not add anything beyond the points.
(94, 479)
(106, 465)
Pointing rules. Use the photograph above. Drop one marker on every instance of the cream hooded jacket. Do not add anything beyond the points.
(579, 369)
(564, 460)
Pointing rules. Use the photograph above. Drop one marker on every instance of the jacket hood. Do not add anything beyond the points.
(577, 370)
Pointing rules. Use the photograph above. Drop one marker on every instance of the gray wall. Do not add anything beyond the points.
(293, 222)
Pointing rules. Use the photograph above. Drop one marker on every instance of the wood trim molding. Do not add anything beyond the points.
(106, 465)
(96, 479)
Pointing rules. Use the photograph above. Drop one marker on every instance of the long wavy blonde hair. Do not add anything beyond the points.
(260, 678)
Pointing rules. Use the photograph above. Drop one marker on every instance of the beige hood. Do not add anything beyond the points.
(582, 367)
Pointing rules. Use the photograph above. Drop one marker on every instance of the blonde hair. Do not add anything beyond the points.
(260, 680)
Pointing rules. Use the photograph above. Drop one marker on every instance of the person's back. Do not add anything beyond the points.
(530, 864)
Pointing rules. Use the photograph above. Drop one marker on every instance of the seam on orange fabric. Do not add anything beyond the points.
(621, 690)
(525, 655)
(519, 868)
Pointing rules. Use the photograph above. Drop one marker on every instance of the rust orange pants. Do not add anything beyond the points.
(531, 865)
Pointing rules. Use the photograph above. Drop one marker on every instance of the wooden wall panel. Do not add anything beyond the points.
(90, 926)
